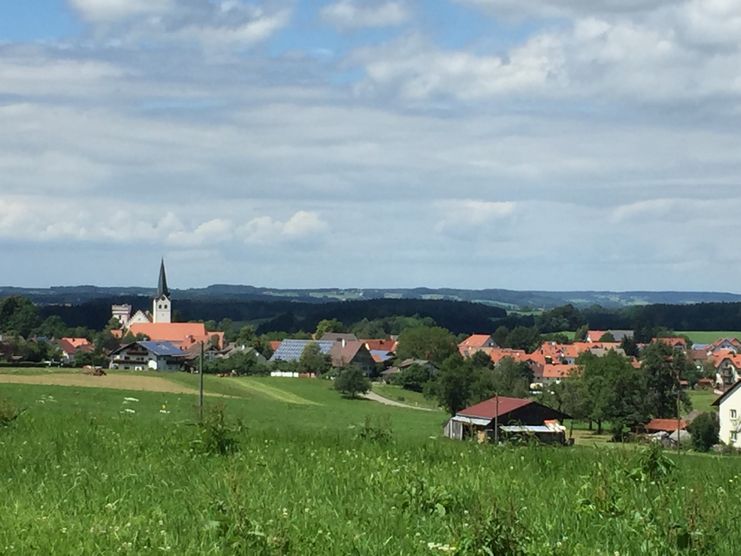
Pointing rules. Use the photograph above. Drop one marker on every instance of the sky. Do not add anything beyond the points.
(522, 144)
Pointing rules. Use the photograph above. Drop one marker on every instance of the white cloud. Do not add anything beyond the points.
(106, 11)
(418, 70)
(303, 226)
(213, 25)
(561, 8)
(351, 14)
(467, 219)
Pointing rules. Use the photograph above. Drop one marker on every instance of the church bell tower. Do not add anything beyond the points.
(162, 307)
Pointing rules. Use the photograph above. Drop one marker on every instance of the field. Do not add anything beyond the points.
(700, 337)
(102, 471)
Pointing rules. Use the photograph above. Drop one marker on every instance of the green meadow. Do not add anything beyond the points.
(102, 471)
(704, 337)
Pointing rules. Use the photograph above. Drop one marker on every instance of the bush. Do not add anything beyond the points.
(378, 430)
(8, 413)
(217, 435)
(351, 382)
(704, 430)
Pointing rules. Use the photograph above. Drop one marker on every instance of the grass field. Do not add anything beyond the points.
(702, 400)
(101, 471)
(702, 337)
(399, 394)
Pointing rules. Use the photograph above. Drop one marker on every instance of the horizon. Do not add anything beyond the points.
(584, 146)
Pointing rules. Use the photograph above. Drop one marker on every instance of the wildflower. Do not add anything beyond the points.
(127, 410)
(131, 399)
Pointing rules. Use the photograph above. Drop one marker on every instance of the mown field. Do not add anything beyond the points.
(105, 471)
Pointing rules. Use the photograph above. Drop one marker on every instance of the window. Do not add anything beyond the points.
(734, 436)
(733, 414)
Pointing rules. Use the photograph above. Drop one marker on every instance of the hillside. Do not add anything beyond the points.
(510, 299)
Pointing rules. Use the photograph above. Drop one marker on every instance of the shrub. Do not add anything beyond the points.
(704, 430)
(216, 434)
(8, 413)
(378, 430)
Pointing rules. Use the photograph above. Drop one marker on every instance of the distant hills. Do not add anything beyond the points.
(507, 299)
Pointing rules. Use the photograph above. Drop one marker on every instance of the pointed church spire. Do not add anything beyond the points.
(162, 284)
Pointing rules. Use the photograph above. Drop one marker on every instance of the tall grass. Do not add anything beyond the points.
(79, 481)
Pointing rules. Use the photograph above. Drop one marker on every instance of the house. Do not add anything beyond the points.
(182, 334)
(549, 374)
(147, 355)
(665, 425)
(486, 420)
(729, 415)
(291, 350)
(346, 353)
(727, 368)
(675, 342)
(497, 354)
(724, 344)
(618, 335)
(338, 337)
(71, 347)
(476, 343)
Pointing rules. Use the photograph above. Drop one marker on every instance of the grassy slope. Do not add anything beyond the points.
(81, 475)
(399, 394)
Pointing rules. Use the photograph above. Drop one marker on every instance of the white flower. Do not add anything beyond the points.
(131, 399)
(127, 410)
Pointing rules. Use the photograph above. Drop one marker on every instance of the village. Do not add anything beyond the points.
(530, 407)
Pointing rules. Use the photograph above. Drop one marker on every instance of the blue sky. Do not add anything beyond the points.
(524, 144)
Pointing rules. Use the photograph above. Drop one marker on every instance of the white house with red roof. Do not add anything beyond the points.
(729, 416)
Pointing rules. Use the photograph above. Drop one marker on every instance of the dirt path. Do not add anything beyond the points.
(385, 401)
(116, 382)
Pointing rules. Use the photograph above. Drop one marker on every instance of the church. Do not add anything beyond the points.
(157, 325)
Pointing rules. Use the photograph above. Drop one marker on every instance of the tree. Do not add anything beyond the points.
(414, 377)
(452, 387)
(630, 346)
(607, 337)
(430, 343)
(312, 360)
(663, 367)
(523, 337)
(704, 430)
(613, 390)
(327, 326)
(482, 359)
(18, 315)
(581, 333)
(351, 382)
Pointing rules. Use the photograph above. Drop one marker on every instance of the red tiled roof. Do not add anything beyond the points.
(274, 344)
(383, 344)
(554, 371)
(497, 354)
(475, 341)
(672, 341)
(491, 408)
(595, 335)
(77, 342)
(183, 334)
(666, 425)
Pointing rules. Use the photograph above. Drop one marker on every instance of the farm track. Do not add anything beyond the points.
(113, 382)
(386, 401)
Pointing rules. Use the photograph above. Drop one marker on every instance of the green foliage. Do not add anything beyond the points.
(243, 363)
(8, 412)
(566, 317)
(216, 434)
(500, 530)
(430, 343)
(453, 385)
(414, 377)
(704, 430)
(312, 360)
(376, 429)
(352, 381)
(663, 367)
(326, 326)
(18, 316)
(607, 337)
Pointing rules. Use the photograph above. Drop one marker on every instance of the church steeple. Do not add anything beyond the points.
(161, 306)
(162, 290)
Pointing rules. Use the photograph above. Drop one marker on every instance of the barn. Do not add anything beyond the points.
(504, 417)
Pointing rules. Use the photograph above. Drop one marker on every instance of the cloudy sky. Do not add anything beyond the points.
(550, 144)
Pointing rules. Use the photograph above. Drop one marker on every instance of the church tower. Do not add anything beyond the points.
(162, 307)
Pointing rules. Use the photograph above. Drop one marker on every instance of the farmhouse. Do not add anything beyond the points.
(476, 343)
(147, 355)
(729, 415)
(510, 416)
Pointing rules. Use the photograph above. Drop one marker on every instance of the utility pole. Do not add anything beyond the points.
(200, 385)
(496, 419)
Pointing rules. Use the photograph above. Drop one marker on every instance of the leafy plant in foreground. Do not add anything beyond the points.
(8, 413)
(216, 435)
